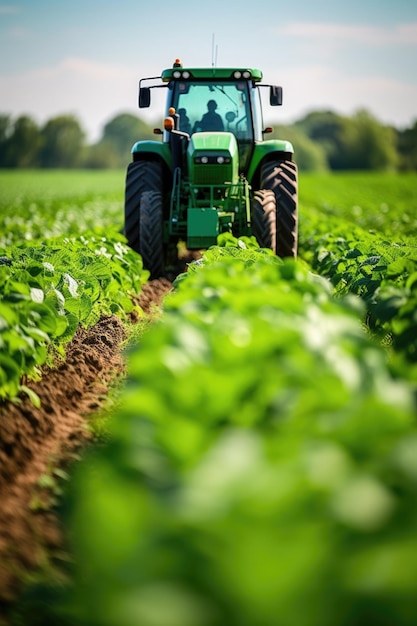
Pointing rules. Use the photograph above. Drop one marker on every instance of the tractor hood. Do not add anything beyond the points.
(213, 158)
(213, 141)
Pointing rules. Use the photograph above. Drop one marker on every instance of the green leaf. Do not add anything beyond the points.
(412, 281)
(81, 307)
(354, 253)
(8, 315)
(72, 325)
(9, 366)
(397, 267)
(34, 398)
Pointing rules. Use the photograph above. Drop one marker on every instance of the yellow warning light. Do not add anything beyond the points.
(169, 123)
(177, 63)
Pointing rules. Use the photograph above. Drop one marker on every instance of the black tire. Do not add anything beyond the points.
(281, 177)
(151, 246)
(141, 176)
(264, 218)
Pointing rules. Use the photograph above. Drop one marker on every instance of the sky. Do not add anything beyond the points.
(85, 57)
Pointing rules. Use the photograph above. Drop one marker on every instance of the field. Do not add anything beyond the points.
(237, 448)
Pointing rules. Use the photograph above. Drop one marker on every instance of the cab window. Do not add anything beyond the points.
(221, 106)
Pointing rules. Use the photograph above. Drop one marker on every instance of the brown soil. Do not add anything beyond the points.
(35, 442)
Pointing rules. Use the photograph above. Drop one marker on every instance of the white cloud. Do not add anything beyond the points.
(400, 34)
(308, 88)
(93, 91)
(94, 69)
(77, 68)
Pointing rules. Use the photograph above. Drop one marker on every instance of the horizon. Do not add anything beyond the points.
(86, 59)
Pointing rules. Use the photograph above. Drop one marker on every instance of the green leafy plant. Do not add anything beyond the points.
(261, 462)
(382, 273)
(49, 289)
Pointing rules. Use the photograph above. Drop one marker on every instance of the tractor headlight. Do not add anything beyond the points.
(181, 74)
(212, 159)
(238, 74)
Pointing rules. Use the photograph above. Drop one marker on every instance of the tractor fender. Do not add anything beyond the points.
(152, 150)
(278, 149)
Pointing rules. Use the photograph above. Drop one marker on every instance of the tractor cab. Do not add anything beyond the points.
(215, 100)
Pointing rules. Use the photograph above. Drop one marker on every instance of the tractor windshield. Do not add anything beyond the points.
(215, 106)
(209, 106)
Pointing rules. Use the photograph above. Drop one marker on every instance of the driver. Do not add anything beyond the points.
(210, 120)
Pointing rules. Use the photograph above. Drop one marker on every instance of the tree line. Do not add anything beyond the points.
(323, 140)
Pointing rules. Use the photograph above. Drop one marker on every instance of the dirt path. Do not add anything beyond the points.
(36, 441)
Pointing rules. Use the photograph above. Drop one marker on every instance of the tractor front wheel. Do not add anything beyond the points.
(141, 176)
(281, 177)
(151, 246)
(264, 218)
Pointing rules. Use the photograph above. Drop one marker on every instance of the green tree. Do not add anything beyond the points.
(121, 132)
(407, 147)
(333, 133)
(23, 144)
(62, 142)
(352, 143)
(309, 155)
(5, 131)
(375, 145)
(102, 156)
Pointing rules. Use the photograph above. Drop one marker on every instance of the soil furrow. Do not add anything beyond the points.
(36, 441)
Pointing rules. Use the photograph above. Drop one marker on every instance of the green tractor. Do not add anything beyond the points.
(212, 172)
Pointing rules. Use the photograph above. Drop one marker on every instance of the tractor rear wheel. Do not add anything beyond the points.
(151, 246)
(141, 176)
(264, 218)
(281, 177)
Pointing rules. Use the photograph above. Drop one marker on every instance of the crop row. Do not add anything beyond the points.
(42, 205)
(263, 458)
(261, 468)
(377, 202)
(383, 273)
(48, 289)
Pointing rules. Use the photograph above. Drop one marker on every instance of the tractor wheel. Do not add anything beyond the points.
(282, 178)
(151, 246)
(264, 218)
(141, 176)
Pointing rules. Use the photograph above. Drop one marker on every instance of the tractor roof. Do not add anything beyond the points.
(178, 72)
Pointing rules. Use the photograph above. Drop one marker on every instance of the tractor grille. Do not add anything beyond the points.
(207, 174)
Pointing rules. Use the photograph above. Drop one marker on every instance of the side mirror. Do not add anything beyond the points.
(275, 96)
(144, 97)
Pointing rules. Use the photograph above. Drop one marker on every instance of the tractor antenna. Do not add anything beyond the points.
(213, 53)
